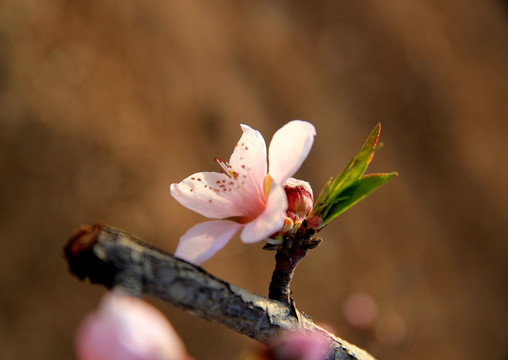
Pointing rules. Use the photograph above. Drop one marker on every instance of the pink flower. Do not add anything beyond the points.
(127, 328)
(248, 195)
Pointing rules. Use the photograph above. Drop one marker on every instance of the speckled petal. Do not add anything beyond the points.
(248, 161)
(208, 194)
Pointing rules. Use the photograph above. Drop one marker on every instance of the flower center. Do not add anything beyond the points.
(244, 190)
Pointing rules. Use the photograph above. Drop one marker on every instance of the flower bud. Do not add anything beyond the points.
(300, 199)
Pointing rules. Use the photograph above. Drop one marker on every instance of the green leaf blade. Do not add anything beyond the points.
(358, 165)
(355, 193)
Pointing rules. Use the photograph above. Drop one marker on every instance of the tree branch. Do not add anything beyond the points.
(112, 257)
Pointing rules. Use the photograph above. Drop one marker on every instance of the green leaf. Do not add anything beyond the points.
(351, 186)
(320, 202)
(356, 192)
(357, 166)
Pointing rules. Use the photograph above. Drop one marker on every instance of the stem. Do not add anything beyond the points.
(293, 249)
(285, 265)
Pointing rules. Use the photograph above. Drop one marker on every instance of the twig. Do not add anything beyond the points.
(289, 254)
(112, 257)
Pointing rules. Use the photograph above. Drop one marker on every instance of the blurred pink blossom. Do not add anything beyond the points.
(127, 328)
(361, 310)
(248, 195)
(297, 345)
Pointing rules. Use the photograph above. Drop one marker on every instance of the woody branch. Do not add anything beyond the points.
(114, 258)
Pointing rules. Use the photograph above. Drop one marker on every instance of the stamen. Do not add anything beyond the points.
(267, 185)
(227, 168)
(224, 165)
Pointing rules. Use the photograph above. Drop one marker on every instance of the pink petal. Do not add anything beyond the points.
(203, 240)
(127, 328)
(299, 345)
(207, 193)
(271, 220)
(289, 147)
(249, 161)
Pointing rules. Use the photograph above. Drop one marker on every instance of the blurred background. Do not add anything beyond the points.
(103, 104)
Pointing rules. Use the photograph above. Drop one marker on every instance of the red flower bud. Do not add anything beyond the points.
(300, 199)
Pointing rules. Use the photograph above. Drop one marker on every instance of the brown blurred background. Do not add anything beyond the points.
(104, 103)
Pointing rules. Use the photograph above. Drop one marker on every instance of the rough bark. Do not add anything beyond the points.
(112, 257)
